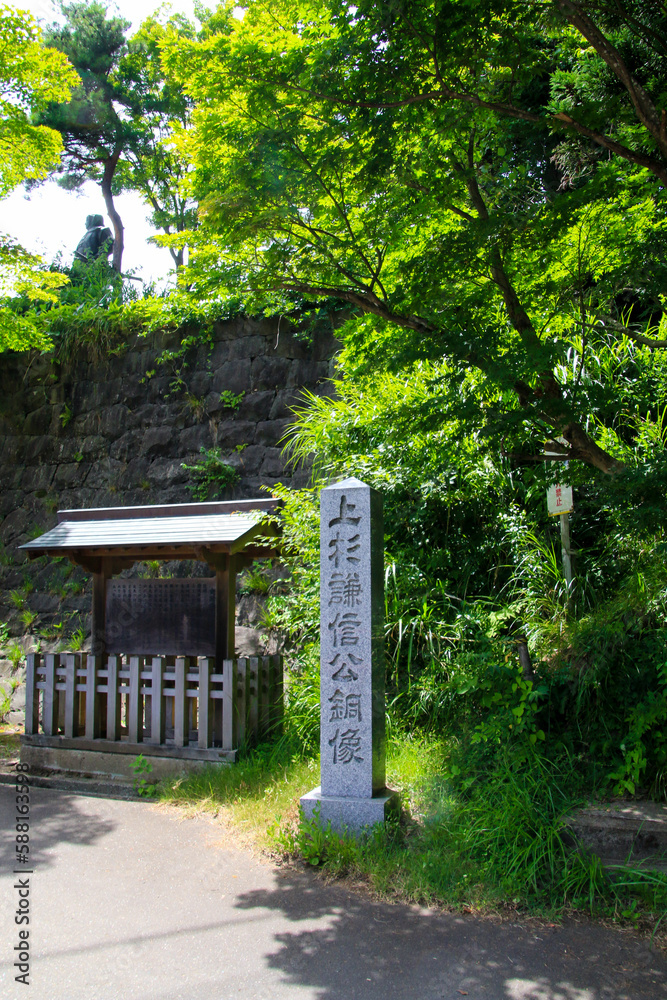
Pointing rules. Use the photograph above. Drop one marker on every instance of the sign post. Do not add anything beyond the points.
(560, 503)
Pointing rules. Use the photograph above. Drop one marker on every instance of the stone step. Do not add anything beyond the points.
(79, 786)
(623, 833)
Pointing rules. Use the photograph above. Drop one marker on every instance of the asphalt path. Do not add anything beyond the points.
(130, 901)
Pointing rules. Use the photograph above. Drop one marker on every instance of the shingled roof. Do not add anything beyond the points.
(173, 531)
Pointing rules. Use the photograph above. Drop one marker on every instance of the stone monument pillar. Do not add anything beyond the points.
(352, 793)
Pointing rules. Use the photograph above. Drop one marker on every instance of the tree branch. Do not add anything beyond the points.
(638, 338)
(600, 139)
(644, 107)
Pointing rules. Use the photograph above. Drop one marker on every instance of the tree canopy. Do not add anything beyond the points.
(116, 126)
(160, 109)
(94, 130)
(30, 77)
(478, 181)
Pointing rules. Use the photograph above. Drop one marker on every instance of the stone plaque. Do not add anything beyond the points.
(352, 702)
(161, 617)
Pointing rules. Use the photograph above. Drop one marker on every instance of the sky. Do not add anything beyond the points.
(51, 221)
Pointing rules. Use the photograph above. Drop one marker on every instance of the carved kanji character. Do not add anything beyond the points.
(337, 706)
(343, 549)
(344, 629)
(345, 589)
(346, 747)
(345, 671)
(353, 545)
(353, 707)
(346, 510)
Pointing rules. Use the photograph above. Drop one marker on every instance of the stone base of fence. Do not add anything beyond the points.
(59, 761)
(82, 745)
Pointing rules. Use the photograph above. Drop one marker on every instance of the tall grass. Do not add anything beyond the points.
(482, 836)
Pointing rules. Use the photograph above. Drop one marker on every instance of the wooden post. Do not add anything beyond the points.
(229, 717)
(135, 715)
(265, 694)
(276, 706)
(92, 698)
(252, 695)
(82, 701)
(31, 694)
(72, 661)
(217, 711)
(50, 718)
(98, 643)
(205, 704)
(567, 552)
(240, 695)
(157, 702)
(181, 729)
(60, 694)
(148, 710)
(225, 609)
(113, 700)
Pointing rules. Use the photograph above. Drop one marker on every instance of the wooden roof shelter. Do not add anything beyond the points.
(227, 535)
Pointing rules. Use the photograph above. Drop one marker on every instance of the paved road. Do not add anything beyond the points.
(131, 902)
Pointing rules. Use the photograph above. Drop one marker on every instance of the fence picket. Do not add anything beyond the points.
(50, 721)
(31, 694)
(72, 661)
(135, 713)
(229, 715)
(205, 704)
(181, 715)
(157, 701)
(276, 699)
(113, 700)
(92, 698)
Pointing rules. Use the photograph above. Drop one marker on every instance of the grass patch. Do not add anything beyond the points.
(480, 831)
(484, 834)
(10, 742)
(261, 792)
(255, 794)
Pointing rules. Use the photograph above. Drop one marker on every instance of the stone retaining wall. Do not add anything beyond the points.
(85, 433)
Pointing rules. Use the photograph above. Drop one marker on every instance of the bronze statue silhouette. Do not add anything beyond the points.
(98, 241)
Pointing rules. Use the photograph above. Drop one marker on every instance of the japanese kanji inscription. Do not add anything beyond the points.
(352, 793)
(352, 681)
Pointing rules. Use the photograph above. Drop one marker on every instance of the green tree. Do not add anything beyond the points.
(94, 127)
(159, 109)
(30, 76)
(117, 127)
(438, 167)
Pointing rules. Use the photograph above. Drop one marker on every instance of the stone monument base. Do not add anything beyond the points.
(351, 813)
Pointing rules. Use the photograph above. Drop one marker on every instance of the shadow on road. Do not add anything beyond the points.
(54, 820)
(375, 950)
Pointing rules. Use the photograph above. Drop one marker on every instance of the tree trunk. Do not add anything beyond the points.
(524, 660)
(116, 221)
(177, 256)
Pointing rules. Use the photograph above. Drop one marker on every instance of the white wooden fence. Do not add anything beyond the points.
(176, 702)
